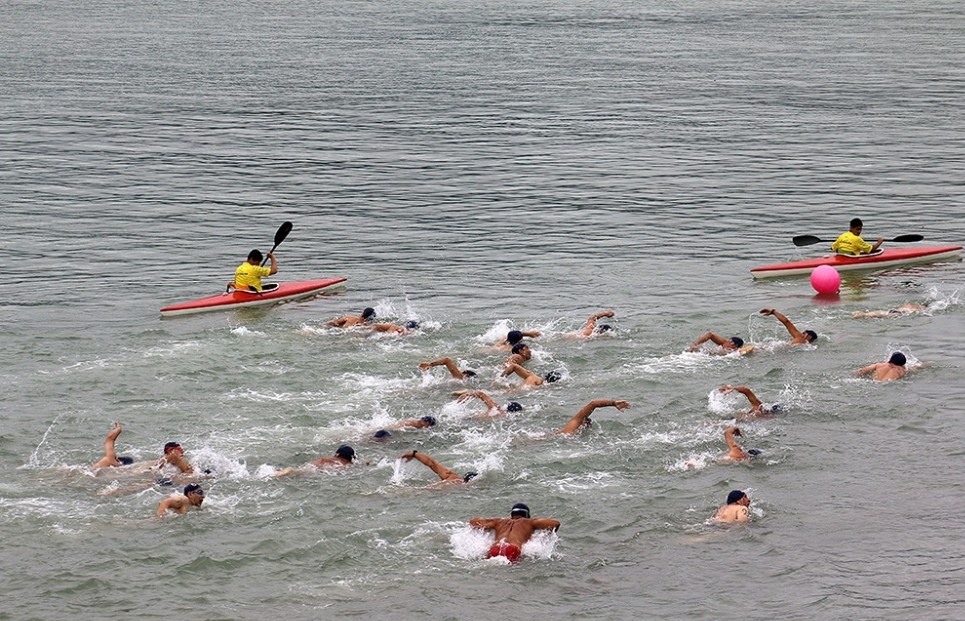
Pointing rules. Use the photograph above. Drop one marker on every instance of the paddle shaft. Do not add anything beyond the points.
(280, 236)
(807, 240)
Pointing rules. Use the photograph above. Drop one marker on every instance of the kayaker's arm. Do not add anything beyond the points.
(274, 263)
(877, 244)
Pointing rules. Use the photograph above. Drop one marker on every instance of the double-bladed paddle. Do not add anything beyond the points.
(807, 240)
(280, 236)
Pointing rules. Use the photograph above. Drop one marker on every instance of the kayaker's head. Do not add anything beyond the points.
(810, 335)
(898, 358)
(856, 225)
(368, 313)
(737, 341)
(255, 257)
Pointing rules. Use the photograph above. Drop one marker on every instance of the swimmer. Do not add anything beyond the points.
(191, 499)
(757, 408)
(445, 474)
(417, 423)
(901, 311)
(521, 353)
(591, 329)
(493, 409)
(726, 346)
(734, 450)
(409, 326)
(350, 321)
(174, 456)
(513, 532)
(514, 337)
(797, 337)
(344, 456)
(736, 508)
(110, 458)
(894, 369)
(582, 418)
(530, 379)
(450, 364)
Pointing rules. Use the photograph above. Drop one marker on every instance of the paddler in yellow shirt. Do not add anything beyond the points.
(851, 242)
(249, 274)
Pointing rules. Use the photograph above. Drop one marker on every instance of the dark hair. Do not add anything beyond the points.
(519, 508)
(812, 335)
(255, 255)
(518, 347)
(898, 358)
(412, 325)
(429, 419)
(856, 223)
(514, 406)
(368, 312)
(469, 476)
(194, 487)
(125, 461)
(553, 376)
(514, 336)
(735, 496)
(737, 341)
(170, 445)
(345, 452)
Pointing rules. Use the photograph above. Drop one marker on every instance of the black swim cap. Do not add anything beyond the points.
(469, 373)
(735, 496)
(553, 376)
(600, 329)
(125, 461)
(368, 312)
(412, 325)
(514, 406)
(812, 335)
(345, 452)
(469, 476)
(737, 341)
(898, 358)
(194, 487)
(255, 255)
(514, 337)
(754, 452)
(381, 434)
(519, 509)
(429, 419)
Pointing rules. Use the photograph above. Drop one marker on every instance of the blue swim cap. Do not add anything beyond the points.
(519, 509)
(514, 406)
(412, 325)
(429, 419)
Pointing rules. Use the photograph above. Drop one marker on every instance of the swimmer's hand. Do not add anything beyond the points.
(424, 366)
(621, 405)
(408, 456)
(767, 311)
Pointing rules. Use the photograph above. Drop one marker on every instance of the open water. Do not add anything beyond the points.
(478, 166)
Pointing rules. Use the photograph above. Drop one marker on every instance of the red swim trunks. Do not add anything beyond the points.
(501, 548)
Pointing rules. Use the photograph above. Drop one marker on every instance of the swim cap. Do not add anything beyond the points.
(194, 487)
(125, 461)
(469, 373)
(382, 434)
(812, 335)
(429, 419)
(412, 325)
(777, 407)
(368, 312)
(169, 446)
(255, 255)
(737, 341)
(600, 329)
(469, 476)
(735, 496)
(898, 358)
(519, 509)
(754, 452)
(345, 452)
(553, 376)
(514, 406)
(164, 481)
(514, 337)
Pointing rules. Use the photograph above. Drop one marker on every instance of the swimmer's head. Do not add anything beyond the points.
(255, 255)
(810, 335)
(468, 373)
(737, 341)
(125, 461)
(553, 376)
(193, 488)
(514, 406)
(777, 407)
(735, 496)
(898, 358)
(519, 510)
(429, 420)
(381, 434)
(368, 313)
(605, 327)
(514, 336)
(754, 452)
(469, 476)
(170, 446)
(412, 325)
(345, 452)
(519, 348)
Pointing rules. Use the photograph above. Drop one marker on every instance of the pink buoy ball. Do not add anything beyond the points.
(825, 279)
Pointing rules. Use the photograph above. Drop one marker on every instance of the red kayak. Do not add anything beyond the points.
(880, 260)
(283, 292)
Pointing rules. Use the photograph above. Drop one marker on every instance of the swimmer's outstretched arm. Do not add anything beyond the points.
(590, 325)
(708, 336)
(577, 421)
(449, 363)
(109, 450)
(791, 328)
(747, 392)
(545, 524)
(464, 395)
(866, 370)
(443, 472)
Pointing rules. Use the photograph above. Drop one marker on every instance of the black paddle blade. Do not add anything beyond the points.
(806, 240)
(282, 233)
(908, 238)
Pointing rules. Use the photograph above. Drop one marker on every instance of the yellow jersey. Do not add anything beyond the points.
(849, 243)
(249, 276)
